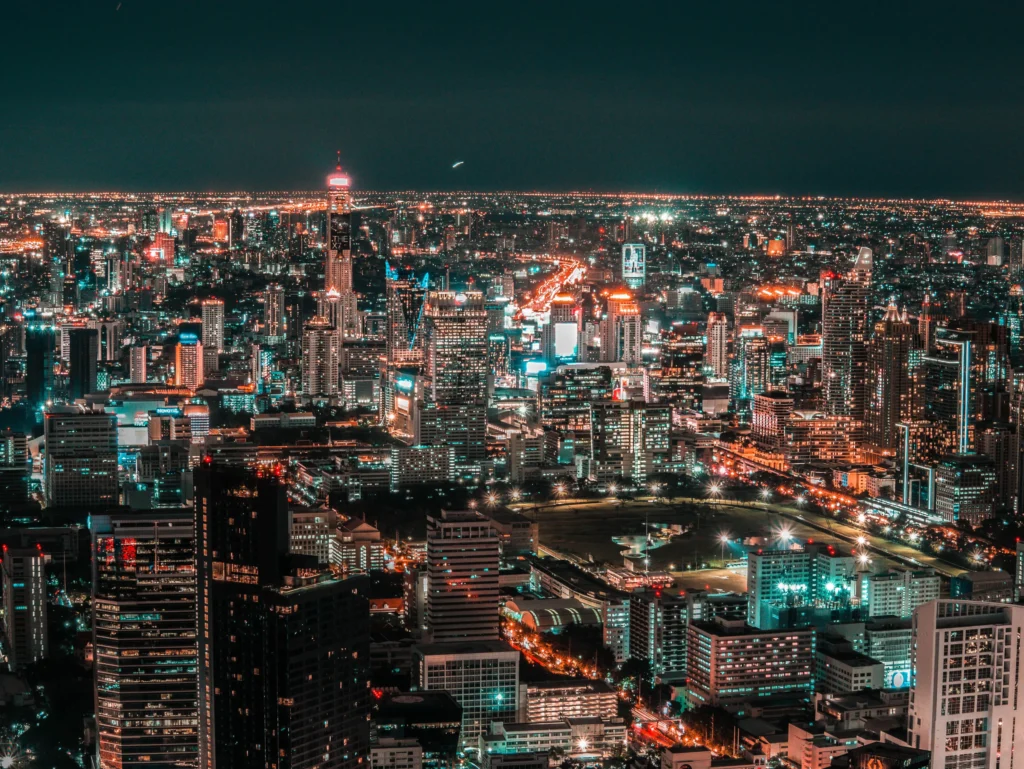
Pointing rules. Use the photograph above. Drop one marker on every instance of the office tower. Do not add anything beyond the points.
(454, 409)
(630, 439)
(997, 441)
(273, 314)
(566, 396)
(338, 267)
(950, 389)
(728, 661)
(213, 325)
(14, 468)
(83, 350)
(319, 359)
(462, 577)
(561, 336)
(965, 488)
(24, 589)
(283, 645)
(621, 330)
(236, 229)
(889, 384)
(634, 264)
(189, 366)
(717, 357)
(844, 335)
(898, 593)
(138, 364)
(482, 676)
(751, 367)
(657, 631)
(144, 633)
(110, 332)
(161, 250)
(405, 304)
(771, 412)
(809, 579)
(81, 457)
(40, 358)
(966, 665)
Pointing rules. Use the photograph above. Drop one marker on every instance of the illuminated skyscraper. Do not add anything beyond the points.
(561, 335)
(454, 410)
(189, 368)
(621, 330)
(890, 395)
(338, 267)
(41, 356)
(950, 388)
(405, 305)
(844, 312)
(138, 364)
(630, 439)
(717, 358)
(213, 325)
(144, 629)
(462, 577)
(319, 359)
(273, 313)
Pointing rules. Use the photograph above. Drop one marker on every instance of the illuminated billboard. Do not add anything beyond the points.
(566, 341)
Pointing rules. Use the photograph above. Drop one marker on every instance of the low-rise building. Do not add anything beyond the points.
(389, 753)
(582, 739)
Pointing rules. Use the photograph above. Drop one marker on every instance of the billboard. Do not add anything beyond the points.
(634, 264)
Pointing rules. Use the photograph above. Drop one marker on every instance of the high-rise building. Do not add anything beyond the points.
(965, 488)
(40, 358)
(462, 577)
(454, 411)
(83, 344)
(338, 267)
(319, 359)
(634, 264)
(844, 335)
(658, 623)
(405, 332)
(138, 364)
(482, 676)
(81, 457)
(814, 577)
(283, 644)
(144, 633)
(25, 593)
(273, 314)
(213, 325)
(717, 356)
(889, 383)
(630, 439)
(950, 389)
(967, 673)
(621, 330)
(561, 337)
(771, 412)
(898, 593)
(189, 367)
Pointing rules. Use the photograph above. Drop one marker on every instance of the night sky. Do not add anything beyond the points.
(833, 98)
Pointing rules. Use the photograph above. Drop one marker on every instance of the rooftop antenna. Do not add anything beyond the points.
(339, 160)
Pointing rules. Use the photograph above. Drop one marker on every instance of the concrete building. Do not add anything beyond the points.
(389, 753)
(552, 700)
(965, 703)
(24, 594)
(898, 593)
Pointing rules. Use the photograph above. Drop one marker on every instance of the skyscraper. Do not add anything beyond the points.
(213, 325)
(454, 409)
(621, 330)
(319, 359)
(189, 368)
(144, 631)
(138, 364)
(717, 358)
(83, 344)
(561, 337)
(338, 267)
(966, 668)
(81, 457)
(462, 577)
(634, 264)
(844, 335)
(273, 313)
(889, 385)
(283, 645)
(405, 304)
(41, 356)
(24, 595)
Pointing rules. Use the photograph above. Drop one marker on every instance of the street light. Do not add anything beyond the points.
(515, 495)
(766, 494)
(723, 538)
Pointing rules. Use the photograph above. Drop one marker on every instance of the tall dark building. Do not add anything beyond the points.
(283, 646)
(890, 393)
(144, 635)
(84, 349)
(41, 355)
(844, 334)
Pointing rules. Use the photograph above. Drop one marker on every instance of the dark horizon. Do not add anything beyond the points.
(905, 100)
